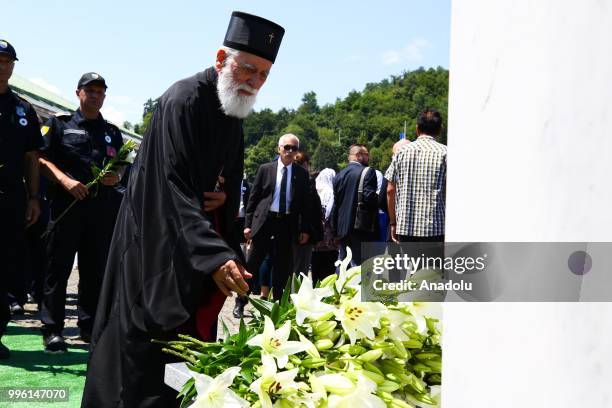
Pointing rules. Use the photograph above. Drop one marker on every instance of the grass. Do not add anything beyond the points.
(29, 366)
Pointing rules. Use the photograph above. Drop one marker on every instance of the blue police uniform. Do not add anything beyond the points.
(73, 144)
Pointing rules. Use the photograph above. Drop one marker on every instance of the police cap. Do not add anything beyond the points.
(7, 48)
(91, 77)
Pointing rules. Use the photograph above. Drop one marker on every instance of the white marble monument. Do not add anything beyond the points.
(530, 146)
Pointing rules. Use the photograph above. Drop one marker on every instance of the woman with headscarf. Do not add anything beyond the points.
(326, 252)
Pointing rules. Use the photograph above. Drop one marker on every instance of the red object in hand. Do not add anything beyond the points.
(207, 315)
(209, 309)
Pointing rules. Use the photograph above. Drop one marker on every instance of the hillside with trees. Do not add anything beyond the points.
(374, 116)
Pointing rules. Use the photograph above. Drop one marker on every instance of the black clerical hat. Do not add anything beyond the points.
(254, 34)
(7, 48)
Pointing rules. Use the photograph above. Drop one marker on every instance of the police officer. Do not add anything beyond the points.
(73, 143)
(20, 141)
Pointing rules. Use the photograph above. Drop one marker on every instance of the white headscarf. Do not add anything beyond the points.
(325, 189)
(379, 180)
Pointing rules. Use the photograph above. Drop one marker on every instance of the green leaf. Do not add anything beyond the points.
(226, 332)
(243, 334)
(275, 314)
(263, 306)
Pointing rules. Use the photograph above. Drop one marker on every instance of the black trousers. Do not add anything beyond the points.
(430, 246)
(275, 238)
(87, 228)
(12, 232)
(323, 264)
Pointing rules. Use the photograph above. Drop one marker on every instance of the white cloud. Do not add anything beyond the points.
(412, 53)
(113, 114)
(391, 57)
(45, 85)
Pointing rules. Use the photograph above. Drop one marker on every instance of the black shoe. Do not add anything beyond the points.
(85, 335)
(54, 343)
(16, 309)
(239, 307)
(4, 351)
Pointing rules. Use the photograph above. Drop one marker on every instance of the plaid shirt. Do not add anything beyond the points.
(418, 172)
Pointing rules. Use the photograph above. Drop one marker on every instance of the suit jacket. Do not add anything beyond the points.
(346, 187)
(262, 193)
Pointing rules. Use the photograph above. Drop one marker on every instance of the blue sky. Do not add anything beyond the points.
(141, 48)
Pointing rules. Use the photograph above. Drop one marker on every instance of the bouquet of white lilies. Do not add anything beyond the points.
(320, 346)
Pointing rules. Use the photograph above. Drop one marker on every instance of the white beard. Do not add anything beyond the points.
(233, 103)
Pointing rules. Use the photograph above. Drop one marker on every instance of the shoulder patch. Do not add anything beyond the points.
(44, 130)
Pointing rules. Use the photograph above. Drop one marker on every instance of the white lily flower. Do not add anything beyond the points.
(358, 318)
(273, 383)
(308, 301)
(300, 399)
(215, 392)
(397, 318)
(362, 395)
(274, 342)
(336, 383)
(420, 310)
(350, 278)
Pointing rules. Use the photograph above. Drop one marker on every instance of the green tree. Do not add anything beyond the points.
(326, 155)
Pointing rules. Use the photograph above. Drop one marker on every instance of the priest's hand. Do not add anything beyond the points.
(303, 238)
(230, 277)
(212, 201)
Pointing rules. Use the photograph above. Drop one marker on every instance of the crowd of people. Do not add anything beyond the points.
(162, 246)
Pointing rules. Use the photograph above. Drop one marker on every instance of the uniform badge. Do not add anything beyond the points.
(20, 111)
(44, 130)
(3, 44)
(110, 151)
(108, 139)
(23, 122)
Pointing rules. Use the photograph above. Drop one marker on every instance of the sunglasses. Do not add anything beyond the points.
(290, 148)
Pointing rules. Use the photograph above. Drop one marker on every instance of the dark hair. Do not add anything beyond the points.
(430, 122)
(355, 149)
(302, 157)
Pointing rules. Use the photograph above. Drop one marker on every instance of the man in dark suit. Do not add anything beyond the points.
(346, 186)
(277, 214)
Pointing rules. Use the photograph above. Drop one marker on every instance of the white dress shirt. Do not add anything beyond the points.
(279, 176)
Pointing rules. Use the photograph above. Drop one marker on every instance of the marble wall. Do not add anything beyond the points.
(530, 146)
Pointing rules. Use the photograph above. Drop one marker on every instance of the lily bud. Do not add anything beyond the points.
(371, 355)
(413, 344)
(324, 344)
(377, 378)
(388, 386)
(322, 329)
(313, 362)
(329, 280)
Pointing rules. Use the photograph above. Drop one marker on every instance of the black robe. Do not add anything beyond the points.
(164, 247)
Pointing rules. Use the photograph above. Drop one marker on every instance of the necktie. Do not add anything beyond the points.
(282, 205)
